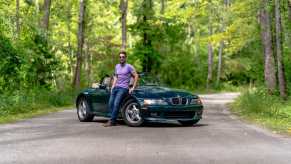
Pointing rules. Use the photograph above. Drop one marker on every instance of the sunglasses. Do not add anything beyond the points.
(122, 57)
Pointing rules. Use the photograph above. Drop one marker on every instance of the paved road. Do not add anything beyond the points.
(219, 138)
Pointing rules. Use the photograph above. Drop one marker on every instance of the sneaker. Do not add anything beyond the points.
(109, 123)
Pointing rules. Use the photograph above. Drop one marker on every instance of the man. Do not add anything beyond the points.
(120, 86)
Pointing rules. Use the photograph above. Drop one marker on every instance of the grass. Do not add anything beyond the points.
(30, 114)
(19, 105)
(266, 110)
(224, 87)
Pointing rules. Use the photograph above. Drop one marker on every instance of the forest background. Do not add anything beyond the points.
(50, 49)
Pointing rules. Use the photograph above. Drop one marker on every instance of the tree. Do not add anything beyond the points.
(81, 24)
(269, 63)
(147, 7)
(289, 10)
(145, 28)
(88, 62)
(10, 63)
(280, 63)
(123, 9)
(68, 23)
(219, 68)
(163, 4)
(17, 19)
(46, 16)
(210, 63)
(221, 46)
(203, 41)
(210, 49)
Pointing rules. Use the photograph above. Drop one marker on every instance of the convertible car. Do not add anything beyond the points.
(148, 102)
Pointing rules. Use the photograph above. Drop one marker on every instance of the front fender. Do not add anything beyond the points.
(130, 97)
(80, 96)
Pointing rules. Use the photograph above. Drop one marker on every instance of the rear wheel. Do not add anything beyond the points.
(189, 123)
(131, 114)
(83, 111)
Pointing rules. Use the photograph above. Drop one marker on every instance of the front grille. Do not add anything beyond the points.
(184, 101)
(179, 114)
(179, 101)
(175, 101)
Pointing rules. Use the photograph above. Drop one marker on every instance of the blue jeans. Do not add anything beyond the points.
(115, 99)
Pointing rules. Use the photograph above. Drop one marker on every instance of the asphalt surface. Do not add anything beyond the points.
(220, 138)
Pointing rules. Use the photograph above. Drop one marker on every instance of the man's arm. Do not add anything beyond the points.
(135, 77)
(114, 82)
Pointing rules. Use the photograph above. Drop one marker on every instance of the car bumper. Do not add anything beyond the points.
(165, 113)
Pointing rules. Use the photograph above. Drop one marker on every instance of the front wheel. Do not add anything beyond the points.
(189, 123)
(131, 114)
(83, 111)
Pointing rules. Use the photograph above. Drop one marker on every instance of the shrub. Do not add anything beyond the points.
(35, 99)
(259, 102)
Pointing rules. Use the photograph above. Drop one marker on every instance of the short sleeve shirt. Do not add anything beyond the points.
(123, 74)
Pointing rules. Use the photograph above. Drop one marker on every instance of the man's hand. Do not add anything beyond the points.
(113, 83)
(131, 90)
(135, 76)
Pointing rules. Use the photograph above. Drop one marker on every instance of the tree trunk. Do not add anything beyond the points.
(146, 55)
(210, 63)
(17, 19)
(81, 23)
(221, 47)
(269, 63)
(163, 4)
(280, 62)
(70, 50)
(147, 61)
(89, 66)
(219, 62)
(46, 16)
(70, 53)
(123, 9)
(87, 62)
(210, 56)
(289, 10)
(37, 7)
(227, 3)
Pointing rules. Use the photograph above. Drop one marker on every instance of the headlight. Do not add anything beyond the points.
(196, 101)
(154, 102)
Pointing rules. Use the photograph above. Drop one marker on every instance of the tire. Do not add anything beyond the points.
(189, 123)
(131, 114)
(83, 111)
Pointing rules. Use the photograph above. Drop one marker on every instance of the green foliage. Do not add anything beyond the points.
(10, 63)
(258, 106)
(26, 61)
(179, 38)
(244, 66)
(26, 64)
(186, 70)
(258, 101)
(41, 63)
(146, 28)
(24, 101)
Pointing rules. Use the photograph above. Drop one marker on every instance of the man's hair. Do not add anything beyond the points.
(122, 52)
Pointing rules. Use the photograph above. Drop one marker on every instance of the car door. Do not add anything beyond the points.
(100, 100)
(101, 96)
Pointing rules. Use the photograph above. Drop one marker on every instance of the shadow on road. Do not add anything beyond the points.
(166, 124)
(152, 124)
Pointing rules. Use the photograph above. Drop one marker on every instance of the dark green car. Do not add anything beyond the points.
(148, 102)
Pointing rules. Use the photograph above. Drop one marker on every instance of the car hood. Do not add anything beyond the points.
(154, 92)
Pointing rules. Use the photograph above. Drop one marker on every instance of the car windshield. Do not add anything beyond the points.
(148, 80)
